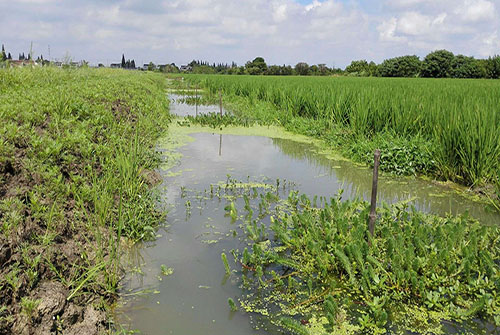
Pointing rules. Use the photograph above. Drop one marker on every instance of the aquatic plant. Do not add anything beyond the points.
(226, 263)
(232, 305)
(449, 265)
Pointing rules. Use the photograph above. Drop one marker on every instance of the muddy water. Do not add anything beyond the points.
(193, 300)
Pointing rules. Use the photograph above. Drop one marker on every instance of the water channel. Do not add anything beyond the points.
(193, 300)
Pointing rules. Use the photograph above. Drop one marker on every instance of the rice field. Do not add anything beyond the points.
(453, 124)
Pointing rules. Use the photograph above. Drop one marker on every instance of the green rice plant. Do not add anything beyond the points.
(445, 128)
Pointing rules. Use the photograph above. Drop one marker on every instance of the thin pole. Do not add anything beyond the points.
(196, 99)
(220, 102)
(220, 145)
(373, 207)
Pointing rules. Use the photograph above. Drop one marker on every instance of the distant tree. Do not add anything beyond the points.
(314, 70)
(132, 64)
(204, 69)
(323, 69)
(405, 66)
(123, 61)
(492, 67)
(437, 64)
(257, 66)
(465, 67)
(3, 56)
(302, 69)
(170, 68)
(286, 70)
(274, 70)
(358, 67)
(9, 56)
(151, 66)
(373, 69)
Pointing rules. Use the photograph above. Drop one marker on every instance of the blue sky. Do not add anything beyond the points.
(332, 32)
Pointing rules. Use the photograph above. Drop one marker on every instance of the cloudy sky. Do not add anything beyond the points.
(333, 32)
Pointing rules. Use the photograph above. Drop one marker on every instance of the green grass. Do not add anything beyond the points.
(76, 156)
(445, 128)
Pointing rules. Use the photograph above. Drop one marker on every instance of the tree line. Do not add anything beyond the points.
(437, 64)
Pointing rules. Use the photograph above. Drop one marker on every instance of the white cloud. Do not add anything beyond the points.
(282, 31)
(476, 10)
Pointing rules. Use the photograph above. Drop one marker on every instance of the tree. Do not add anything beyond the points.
(437, 64)
(359, 67)
(323, 69)
(3, 56)
(123, 61)
(492, 67)
(405, 66)
(302, 69)
(257, 66)
(9, 56)
(373, 70)
(151, 66)
(465, 67)
(132, 64)
(274, 70)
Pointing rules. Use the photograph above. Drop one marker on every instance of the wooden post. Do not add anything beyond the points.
(220, 145)
(373, 208)
(196, 99)
(220, 102)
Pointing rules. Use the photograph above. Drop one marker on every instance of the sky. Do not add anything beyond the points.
(331, 32)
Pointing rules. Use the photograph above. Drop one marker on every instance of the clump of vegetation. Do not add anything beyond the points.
(76, 161)
(319, 259)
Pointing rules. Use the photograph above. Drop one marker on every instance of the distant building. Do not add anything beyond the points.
(115, 65)
(186, 68)
(23, 62)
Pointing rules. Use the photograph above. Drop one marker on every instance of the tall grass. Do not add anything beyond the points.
(461, 118)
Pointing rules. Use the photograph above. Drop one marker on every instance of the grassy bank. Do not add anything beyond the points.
(76, 170)
(447, 129)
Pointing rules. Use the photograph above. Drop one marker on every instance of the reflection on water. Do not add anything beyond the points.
(179, 108)
(426, 195)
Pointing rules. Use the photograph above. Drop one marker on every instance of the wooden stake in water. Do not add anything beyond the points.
(373, 208)
(220, 102)
(220, 145)
(196, 99)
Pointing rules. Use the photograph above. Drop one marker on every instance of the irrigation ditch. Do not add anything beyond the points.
(267, 232)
